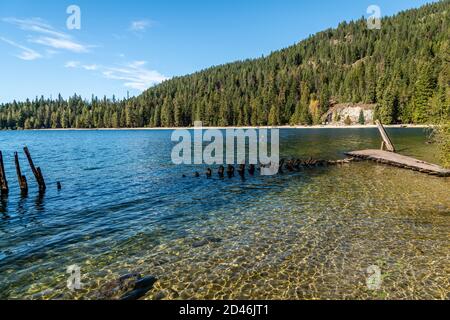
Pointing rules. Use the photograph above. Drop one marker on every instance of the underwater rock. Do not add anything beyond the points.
(42, 295)
(135, 294)
(130, 286)
(206, 241)
(146, 282)
(200, 243)
(160, 295)
(129, 276)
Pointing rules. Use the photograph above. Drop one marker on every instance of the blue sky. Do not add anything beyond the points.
(130, 45)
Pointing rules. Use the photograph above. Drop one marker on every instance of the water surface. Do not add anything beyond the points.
(124, 207)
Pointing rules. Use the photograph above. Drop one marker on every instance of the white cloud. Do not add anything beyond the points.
(140, 25)
(48, 36)
(35, 25)
(72, 64)
(26, 54)
(133, 75)
(90, 67)
(58, 43)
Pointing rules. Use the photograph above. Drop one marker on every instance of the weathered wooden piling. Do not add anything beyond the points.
(22, 179)
(221, 171)
(36, 171)
(241, 170)
(230, 171)
(3, 181)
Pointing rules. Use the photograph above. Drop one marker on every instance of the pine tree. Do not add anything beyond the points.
(423, 91)
(361, 119)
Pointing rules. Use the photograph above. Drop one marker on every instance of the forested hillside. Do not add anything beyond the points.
(403, 68)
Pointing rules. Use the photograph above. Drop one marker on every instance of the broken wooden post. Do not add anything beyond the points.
(36, 171)
(387, 143)
(22, 179)
(3, 181)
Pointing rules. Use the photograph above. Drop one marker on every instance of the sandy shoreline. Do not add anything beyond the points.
(244, 128)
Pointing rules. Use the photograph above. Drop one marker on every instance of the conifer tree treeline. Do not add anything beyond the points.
(403, 68)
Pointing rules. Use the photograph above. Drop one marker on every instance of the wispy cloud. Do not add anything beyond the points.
(140, 25)
(47, 35)
(72, 64)
(35, 25)
(26, 53)
(60, 43)
(133, 75)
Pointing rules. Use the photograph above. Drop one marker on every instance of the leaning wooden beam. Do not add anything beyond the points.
(22, 179)
(387, 142)
(3, 181)
(36, 171)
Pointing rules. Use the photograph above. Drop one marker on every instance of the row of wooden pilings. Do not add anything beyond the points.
(292, 165)
(23, 184)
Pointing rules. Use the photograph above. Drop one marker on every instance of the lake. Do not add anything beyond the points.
(124, 207)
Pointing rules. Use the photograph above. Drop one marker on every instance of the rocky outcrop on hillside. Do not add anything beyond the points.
(350, 114)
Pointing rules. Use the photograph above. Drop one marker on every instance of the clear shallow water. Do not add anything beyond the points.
(124, 207)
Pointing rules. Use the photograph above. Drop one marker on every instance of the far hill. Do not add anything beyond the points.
(403, 69)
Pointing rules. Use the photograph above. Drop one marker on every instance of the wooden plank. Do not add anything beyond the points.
(36, 171)
(3, 181)
(387, 141)
(23, 184)
(401, 161)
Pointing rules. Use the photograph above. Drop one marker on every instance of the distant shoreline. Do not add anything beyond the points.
(404, 126)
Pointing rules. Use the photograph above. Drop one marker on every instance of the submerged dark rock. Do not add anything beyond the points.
(146, 282)
(135, 294)
(130, 286)
(206, 241)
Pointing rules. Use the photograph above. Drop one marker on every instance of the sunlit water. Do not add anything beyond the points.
(125, 207)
